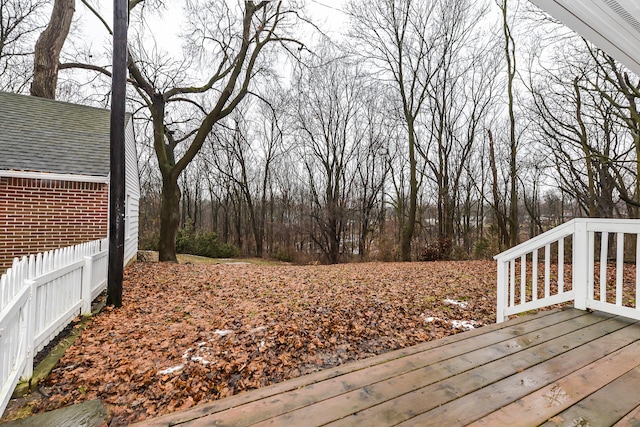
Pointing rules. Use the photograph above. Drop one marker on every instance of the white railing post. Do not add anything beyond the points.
(580, 264)
(85, 287)
(503, 290)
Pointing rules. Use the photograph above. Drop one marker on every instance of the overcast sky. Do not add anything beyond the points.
(327, 14)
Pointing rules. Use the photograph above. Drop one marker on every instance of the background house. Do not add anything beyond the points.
(54, 177)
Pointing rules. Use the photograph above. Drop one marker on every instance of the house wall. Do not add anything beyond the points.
(38, 215)
(132, 195)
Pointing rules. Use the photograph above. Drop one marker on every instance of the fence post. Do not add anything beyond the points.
(579, 264)
(502, 290)
(31, 329)
(85, 288)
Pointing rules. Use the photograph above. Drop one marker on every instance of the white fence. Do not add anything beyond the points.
(565, 264)
(40, 296)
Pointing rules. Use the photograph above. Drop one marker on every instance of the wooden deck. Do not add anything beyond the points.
(567, 367)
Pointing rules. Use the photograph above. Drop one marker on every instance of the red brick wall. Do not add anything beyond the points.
(38, 215)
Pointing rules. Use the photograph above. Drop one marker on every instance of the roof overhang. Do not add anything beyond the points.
(54, 176)
(613, 26)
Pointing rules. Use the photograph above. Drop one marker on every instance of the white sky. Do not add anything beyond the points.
(331, 19)
(326, 14)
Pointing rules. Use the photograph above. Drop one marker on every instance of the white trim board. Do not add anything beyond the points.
(54, 176)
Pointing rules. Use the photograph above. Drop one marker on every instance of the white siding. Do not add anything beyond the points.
(132, 194)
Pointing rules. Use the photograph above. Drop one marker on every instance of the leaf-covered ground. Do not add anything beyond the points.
(194, 333)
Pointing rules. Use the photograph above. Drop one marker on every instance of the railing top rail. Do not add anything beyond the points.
(539, 241)
(612, 225)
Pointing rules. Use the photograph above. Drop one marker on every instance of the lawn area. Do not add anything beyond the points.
(193, 333)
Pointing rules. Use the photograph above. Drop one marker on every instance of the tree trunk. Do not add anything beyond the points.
(48, 47)
(509, 49)
(503, 238)
(407, 231)
(169, 219)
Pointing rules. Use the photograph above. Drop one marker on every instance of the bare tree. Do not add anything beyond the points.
(510, 57)
(397, 37)
(246, 155)
(372, 165)
(577, 120)
(20, 20)
(329, 100)
(48, 47)
(461, 94)
(227, 44)
(623, 101)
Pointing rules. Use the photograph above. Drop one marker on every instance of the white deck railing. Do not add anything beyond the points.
(565, 263)
(40, 296)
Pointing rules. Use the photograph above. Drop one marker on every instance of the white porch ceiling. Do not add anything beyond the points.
(614, 26)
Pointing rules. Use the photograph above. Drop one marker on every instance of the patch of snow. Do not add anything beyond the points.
(200, 344)
(462, 304)
(222, 332)
(186, 353)
(258, 329)
(171, 370)
(200, 359)
(465, 325)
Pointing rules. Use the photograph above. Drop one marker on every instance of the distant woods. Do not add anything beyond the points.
(430, 130)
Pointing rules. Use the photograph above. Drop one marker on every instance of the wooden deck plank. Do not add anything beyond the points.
(514, 327)
(548, 358)
(471, 407)
(402, 375)
(632, 419)
(359, 400)
(549, 401)
(605, 407)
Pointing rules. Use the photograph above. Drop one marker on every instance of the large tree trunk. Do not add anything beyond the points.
(169, 219)
(48, 47)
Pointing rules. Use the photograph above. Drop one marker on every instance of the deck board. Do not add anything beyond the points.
(462, 399)
(487, 377)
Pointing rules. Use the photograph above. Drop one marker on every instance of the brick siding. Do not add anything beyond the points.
(38, 215)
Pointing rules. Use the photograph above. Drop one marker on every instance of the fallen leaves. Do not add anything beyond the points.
(189, 334)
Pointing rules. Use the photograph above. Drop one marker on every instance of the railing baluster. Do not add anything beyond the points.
(591, 237)
(561, 265)
(604, 248)
(502, 291)
(547, 271)
(523, 279)
(619, 267)
(534, 276)
(512, 283)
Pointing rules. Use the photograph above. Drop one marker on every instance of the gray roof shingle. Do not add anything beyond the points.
(42, 135)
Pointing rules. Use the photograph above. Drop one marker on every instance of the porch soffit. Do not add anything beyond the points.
(612, 25)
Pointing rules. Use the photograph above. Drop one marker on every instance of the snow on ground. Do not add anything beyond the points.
(462, 304)
(171, 370)
(465, 325)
